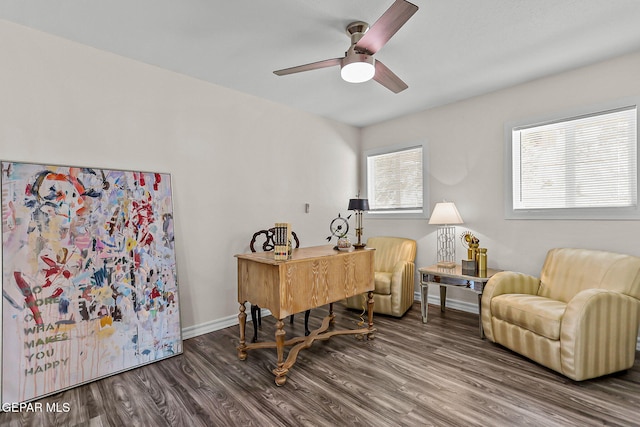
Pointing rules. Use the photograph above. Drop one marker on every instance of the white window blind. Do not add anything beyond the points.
(583, 162)
(395, 180)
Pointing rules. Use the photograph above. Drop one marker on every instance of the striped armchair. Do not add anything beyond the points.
(580, 318)
(394, 268)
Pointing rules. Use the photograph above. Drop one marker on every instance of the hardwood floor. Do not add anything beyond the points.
(411, 374)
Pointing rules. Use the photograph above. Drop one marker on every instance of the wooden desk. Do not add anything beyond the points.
(313, 277)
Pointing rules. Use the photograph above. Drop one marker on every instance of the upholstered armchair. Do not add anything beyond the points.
(394, 267)
(580, 318)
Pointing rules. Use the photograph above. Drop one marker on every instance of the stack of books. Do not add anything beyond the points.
(281, 239)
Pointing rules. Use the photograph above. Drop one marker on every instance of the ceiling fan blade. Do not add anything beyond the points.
(308, 67)
(388, 79)
(386, 26)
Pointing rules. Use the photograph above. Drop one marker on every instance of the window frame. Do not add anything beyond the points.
(398, 214)
(608, 213)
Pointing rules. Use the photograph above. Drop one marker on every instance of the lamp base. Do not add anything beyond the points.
(359, 245)
(446, 264)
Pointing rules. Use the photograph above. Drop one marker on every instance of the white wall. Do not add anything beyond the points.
(466, 145)
(65, 103)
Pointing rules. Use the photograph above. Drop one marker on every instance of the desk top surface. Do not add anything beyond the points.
(300, 254)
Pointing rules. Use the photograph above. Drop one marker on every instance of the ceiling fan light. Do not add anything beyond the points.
(357, 68)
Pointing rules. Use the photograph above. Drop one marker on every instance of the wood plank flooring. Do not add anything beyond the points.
(411, 374)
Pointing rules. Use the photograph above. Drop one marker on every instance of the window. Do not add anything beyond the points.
(395, 180)
(583, 167)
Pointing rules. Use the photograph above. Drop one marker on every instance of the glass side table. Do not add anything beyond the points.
(452, 277)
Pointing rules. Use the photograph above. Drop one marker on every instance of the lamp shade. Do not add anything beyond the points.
(358, 204)
(445, 213)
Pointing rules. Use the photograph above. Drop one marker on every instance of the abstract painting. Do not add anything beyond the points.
(89, 281)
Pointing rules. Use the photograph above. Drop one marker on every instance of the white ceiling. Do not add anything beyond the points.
(449, 50)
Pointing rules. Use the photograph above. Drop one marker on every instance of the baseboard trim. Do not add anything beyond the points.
(205, 328)
(468, 307)
(225, 322)
(215, 325)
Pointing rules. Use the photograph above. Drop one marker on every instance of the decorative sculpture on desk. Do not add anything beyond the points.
(339, 228)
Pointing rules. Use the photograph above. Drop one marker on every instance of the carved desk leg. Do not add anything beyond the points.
(370, 335)
(280, 371)
(242, 318)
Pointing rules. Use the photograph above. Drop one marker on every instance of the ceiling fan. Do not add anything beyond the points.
(358, 64)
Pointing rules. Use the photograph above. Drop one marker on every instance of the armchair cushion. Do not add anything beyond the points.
(580, 318)
(383, 282)
(540, 315)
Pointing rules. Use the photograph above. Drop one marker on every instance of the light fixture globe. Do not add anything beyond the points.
(357, 68)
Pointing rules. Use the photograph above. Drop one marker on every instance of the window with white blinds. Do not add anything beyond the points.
(395, 180)
(586, 163)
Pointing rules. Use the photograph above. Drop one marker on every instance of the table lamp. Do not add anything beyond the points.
(444, 214)
(359, 205)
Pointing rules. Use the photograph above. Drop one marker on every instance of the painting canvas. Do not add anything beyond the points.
(89, 281)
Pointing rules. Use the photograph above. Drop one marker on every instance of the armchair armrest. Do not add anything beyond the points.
(510, 282)
(598, 333)
(400, 269)
(402, 285)
(505, 282)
